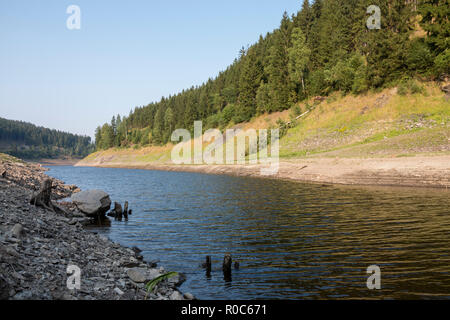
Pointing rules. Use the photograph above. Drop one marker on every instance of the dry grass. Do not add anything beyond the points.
(375, 124)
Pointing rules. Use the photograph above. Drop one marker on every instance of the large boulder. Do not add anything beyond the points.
(92, 202)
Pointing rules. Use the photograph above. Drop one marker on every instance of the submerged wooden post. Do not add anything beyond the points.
(125, 210)
(226, 267)
(208, 264)
(118, 211)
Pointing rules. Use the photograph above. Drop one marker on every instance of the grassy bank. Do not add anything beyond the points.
(383, 124)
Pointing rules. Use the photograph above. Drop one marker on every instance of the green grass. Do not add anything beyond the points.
(374, 119)
(377, 124)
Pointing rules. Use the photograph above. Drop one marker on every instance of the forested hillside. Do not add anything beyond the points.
(27, 141)
(325, 47)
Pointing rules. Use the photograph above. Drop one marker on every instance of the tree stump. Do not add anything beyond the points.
(226, 267)
(118, 211)
(125, 210)
(42, 198)
(208, 264)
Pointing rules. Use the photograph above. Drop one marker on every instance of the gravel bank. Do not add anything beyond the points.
(37, 246)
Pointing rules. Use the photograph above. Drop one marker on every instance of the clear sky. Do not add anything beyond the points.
(126, 54)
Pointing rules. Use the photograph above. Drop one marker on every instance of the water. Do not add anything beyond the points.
(293, 240)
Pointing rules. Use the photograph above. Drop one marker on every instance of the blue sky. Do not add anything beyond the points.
(126, 54)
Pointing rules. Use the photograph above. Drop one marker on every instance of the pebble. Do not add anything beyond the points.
(118, 291)
(137, 275)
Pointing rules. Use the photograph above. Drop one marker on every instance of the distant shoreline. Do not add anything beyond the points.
(56, 162)
(420, 171)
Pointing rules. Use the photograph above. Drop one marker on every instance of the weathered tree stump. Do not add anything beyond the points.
(208, 264)
(226, 267)
(118, 211)
(125, 210)
(42, 198)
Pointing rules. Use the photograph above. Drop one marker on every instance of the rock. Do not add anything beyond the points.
(128, 264)
(153, 263)
(188, 296)
(12, 252)
(92, 202)
(137, 275)
(118, 291)
(136, 249)
(4, 289)
(23, 295)
(17, 231)
(177, 280)
(153, 273)
(176, 296)
(319, 99)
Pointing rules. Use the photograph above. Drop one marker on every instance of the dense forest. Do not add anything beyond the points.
(326, 47)
(27, 141)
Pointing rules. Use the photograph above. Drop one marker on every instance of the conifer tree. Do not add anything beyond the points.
(277, 69)
(248, 85)
(436, 23)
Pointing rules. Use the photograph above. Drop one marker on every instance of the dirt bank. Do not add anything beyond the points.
(57, 162)
(405, 171)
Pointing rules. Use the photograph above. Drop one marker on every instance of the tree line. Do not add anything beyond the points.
(325, 47)
(27, 141)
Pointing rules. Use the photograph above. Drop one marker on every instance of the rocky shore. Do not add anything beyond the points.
(37, 246)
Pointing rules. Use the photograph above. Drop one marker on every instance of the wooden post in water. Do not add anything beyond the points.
(226, 267)
(208, 264)
(118, 211)
(125, 210)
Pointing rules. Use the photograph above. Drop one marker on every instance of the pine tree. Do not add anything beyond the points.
(304, 19)
(98, 138)
(277, 69)
(248, 85)
(436, 23)
(387, 48)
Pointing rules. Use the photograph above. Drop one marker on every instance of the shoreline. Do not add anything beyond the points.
(38, 245)
(56, 162)
(419, 171)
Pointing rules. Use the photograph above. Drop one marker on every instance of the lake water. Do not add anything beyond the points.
(293, 240)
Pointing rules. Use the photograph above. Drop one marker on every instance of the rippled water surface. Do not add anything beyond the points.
(293, 240)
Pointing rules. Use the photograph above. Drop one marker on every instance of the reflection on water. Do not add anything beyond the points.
(292, 240)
